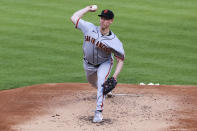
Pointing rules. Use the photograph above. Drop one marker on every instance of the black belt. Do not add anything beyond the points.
(91, 63)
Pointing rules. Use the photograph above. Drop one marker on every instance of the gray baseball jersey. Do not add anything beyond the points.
(97, 48)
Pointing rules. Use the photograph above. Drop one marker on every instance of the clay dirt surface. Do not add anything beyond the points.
(71, 106)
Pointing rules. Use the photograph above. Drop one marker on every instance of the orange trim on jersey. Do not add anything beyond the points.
(119, 57)
(109, 70)
(102, 103)
(77, 23)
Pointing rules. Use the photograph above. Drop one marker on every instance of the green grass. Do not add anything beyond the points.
(39, 44)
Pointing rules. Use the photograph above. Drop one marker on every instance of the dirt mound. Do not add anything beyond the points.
(70, 106)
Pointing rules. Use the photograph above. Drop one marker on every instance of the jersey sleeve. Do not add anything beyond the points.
(83, 25)
(119, 55)
(117, 48)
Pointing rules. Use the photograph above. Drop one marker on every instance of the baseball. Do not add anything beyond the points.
(94, 7)
(150, 84)
(142, 83)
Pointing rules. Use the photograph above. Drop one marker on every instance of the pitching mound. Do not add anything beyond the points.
(67, 106)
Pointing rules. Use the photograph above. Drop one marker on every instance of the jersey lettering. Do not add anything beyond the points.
(98, 44)
(87, 38)
(93, 40)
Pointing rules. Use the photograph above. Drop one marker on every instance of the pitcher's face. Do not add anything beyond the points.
(105, 23)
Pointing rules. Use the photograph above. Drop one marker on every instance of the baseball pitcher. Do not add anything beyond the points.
(99, 46)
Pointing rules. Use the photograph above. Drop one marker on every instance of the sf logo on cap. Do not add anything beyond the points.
(105, 11)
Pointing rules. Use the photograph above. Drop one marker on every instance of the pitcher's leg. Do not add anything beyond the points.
(102, 74)
(92, 78)
(91, 74)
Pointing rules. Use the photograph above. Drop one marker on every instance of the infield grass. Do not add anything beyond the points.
(39, 44)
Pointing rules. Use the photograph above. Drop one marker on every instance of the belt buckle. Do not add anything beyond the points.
(91, 63)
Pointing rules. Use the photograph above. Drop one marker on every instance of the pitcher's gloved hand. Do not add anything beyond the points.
(109, 85)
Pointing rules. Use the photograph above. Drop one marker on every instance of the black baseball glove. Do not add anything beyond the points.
(109, 85)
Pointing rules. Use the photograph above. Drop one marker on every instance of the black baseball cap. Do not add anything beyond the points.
(108, 14)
